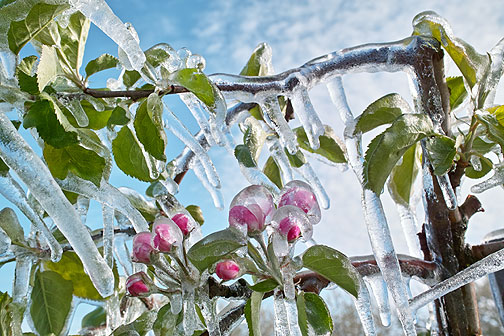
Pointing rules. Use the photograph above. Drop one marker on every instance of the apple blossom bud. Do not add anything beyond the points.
(293, 233)
(183, 223)
(240, 215)
(142, 248)
(227, 270)
(139, 284)
(289, 228)
(166, 235)
(301, 195)
(251, 208)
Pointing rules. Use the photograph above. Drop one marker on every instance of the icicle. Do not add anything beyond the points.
(448, 192)
(102, 16)
(176, 303)
(13, 192)
(285, 323)
(490, 264)
(108, 195)
(209, 311)
(363, 307)
(194, 106)
(311, 177)
(494, 181)
(19, 156)
(281, 159)
(379, 289)
(255, 176)
(214, 192)
(312, 125)
(410, 229)
(113, 313)
(191, 319)
(181, 132)
(275, 119)
(82, 207)
(21, 287)
(108, 234)
(122, 253)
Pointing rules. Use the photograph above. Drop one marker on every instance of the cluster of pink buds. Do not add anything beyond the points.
(167, 235)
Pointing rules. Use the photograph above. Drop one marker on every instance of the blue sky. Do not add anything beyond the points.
(226, 32)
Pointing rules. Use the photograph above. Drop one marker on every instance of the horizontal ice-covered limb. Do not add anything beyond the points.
(21, 158)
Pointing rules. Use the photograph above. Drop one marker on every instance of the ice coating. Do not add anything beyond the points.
(447, 190)
(75, 108)
(379, 290)
(311, 177)
(5, 242)
(102, 16)
(275, 119)
(281, 159)
(19, 156)
(475, 162)
(409, 226)
(166, 235)
(122, 254)
(312, 125)
(285, 324)
(363, 307)
(108, 235)
(12, 191)
(283, 221)
(496, 71)
(494, 181)
(82, 207)
(490, 264)
(300, 194)
(21, 287)
(374, 215)
(257, 199)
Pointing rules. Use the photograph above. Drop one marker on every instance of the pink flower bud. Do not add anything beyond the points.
(301, 195)
(166, 235)
(183, 223)
(289, 228)
(240, 215)
(293, 233)
(142, 248)
(138, 284)
(227, 270)
(251, 207)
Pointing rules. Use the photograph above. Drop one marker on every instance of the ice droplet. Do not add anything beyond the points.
(19, 156)
(312, 125)
(475, 162)
(75, 108)
(82, 207)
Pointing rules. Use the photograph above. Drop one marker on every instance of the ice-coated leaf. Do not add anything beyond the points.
(95, 318)
(259, 63)
(264, 286)
(51, 301)
(196, 213)
(313, 316)
(441, 151)
(196, 82)
(486, 167)
(470, 63)
(243, 155)
(140, 326)
(498, 112)
(48, 67)
(166, 321)
(21, 32)
(253, 137)
(73, 39)
(24, 70)
(130, 77)
(5, 315)
(83, 162)
(253, 313)
(382, 111)
(388, 147)
(10, 225)
(43, 116)
(403, 176)
(334, 266)
(103, 62)
(118, 117)
(330, 145)
(97, 119)
(149, 126)
(297, 160)
(50, 35)
(495, 131)
(272, 171)
(130, 156)
(457, 91)
(481, 146)
(27, 65)
(213, 248)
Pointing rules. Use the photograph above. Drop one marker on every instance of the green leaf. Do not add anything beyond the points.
(196, 82)
(43, 116)
(21, 32)
(259, 63)
(48, 67)
(24, 71)
(97, 119)
(149, 126)
(498, 112)
(27, 65)
(243, 155)
(50, 35)
(264, 286)
(403, 176)
(213, 248)
(457, 91)
(118, 117)
(470, 63)
(297, 160)
(382, 111)
(387, 148)
(253, 136)
(334, 266)
(130, 77)
(51, 302)
(272, 171)
(10, 224)
(481, 146)
(73, 39)
(166, 322)
(256, 256)
(103, 62)
(5, 315)
(253, 313)
(313, 316)
(495, 131)
(83, 162)
(330, 145)
(95, 318)
(486, 167)
(70, 268)
(196, 213)
(131, 157)
(441, 151)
